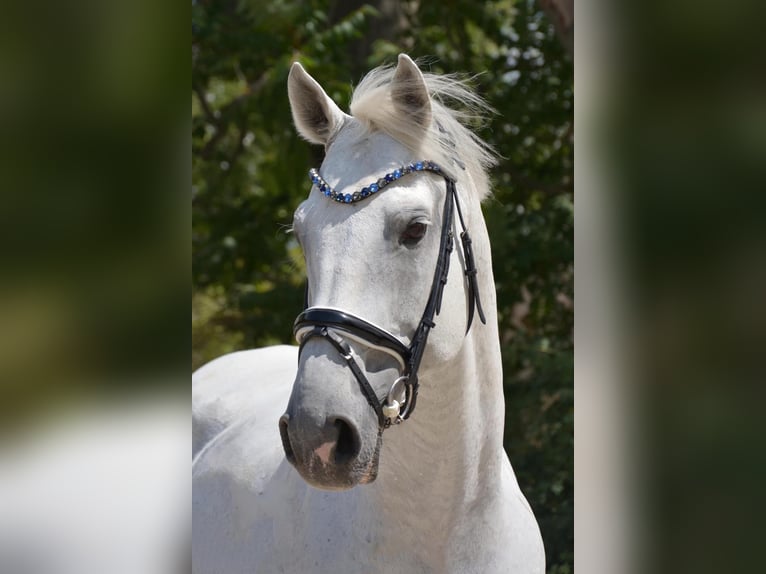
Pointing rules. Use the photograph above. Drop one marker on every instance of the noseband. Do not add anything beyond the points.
(336, 325)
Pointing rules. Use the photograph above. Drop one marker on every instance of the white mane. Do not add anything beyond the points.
(447, 138)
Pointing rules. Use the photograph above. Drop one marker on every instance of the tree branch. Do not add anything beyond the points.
(226, 113)
(206, 109)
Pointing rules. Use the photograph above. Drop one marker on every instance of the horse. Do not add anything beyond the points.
(400, 311)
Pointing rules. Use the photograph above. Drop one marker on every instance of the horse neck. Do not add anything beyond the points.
(450, 451)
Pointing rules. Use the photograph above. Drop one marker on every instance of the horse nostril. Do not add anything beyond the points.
(289, 455)
(348, 445)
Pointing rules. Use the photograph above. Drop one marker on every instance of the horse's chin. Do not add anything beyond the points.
(340, 477)
(337, 479)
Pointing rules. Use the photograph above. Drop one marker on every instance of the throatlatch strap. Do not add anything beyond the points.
(474, 300)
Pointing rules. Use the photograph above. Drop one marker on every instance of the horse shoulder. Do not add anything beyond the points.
(522, 549)
(499, 533)
(249, 383)
(246, 500)
(254, 513)
(243, 488)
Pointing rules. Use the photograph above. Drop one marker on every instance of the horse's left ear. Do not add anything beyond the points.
(315, 115)
(409, 92)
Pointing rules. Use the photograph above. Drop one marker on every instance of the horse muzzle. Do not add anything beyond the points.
(330, 455)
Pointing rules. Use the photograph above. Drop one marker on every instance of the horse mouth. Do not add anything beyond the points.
(326, 470)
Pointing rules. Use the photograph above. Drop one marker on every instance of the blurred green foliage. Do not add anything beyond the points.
(248, 175)
(93, 213)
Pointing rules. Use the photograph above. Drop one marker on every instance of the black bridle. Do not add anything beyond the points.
(335, 325)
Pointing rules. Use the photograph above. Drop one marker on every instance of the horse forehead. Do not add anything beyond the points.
(358, 156)
(351, 164)
(320, 220)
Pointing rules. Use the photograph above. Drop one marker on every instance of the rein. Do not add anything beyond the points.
(336, 325)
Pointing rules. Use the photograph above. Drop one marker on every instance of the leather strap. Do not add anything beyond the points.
(474, 299)
(433, 306)
(343, 321)
(345, 351)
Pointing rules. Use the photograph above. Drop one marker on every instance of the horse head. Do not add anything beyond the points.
(377, 231)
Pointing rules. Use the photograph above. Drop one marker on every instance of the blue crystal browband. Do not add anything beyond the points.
(374, 187)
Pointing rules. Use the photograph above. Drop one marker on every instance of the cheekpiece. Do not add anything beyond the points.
(374, 187)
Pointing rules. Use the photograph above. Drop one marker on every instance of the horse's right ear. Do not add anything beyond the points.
(409, 92)
(315, 115)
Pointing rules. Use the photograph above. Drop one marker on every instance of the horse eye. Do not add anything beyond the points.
(414, 233)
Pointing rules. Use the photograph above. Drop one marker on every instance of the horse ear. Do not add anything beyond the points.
(409, 92)
(315, 115)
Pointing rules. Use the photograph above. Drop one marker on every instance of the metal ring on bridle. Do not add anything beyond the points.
(398, 391)
(395, 399)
